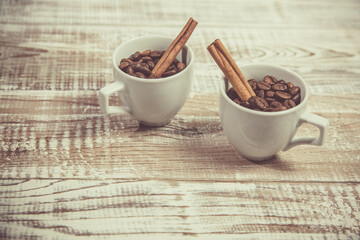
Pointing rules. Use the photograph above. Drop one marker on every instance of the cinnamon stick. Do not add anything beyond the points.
(220, 46)
(228, 67)
(173, 50)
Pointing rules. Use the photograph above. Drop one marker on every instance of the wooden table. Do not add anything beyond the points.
(70, 172)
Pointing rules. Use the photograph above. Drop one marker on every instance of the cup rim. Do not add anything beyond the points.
(260, 113)
(152, 80)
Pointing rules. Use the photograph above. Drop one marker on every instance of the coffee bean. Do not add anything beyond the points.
(270, 80)
(253, 84)
(296, 98)
(290, 85)
(277, 109)
(141, 67)
(169, 73)
(145, 53)
(171, 67)
(275, 104)
(245, 104)
(146, 59)
(258, 102)
(263, 86)
(289, 103)
(260, 93)
(129, 70)
(181, 66)
(232, 93)
(282, 95)
(126, 60)
(294, 90)
(176, 61)
(270, 100)
(140, 75)
(136, 56)
(237, 101)
(124, 65)
(155, 54)
(151, 64)
(279, 87)
(270, 94)
(281, 81)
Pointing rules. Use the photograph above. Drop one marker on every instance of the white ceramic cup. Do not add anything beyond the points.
(153, 102)
(260, 135)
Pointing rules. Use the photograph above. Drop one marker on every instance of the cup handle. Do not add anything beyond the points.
(104, 95)
(315, 120)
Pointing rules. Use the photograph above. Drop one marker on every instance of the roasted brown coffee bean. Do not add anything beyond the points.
(151, 64)
(253, 84)
(232, 93)
(294, 90)
(129, 70)
(296, 98)
(136, 56)
(289, 103)
(281, 81)
(290, 85)
(282, 95)
(270, 80)
(237, 101)
(140, 75)
(258, 102)
(279, 87)
(269, 100)
(260, 93)
(146, 59)
(263, 86)
(126, 60)
(275, 104)
(171, 67)
(277, 109)
(155, 54)
(169, 73)
(245, 104)
(270, 94)
(124, 65)
(139, 67)
(181, 66)
(251, 100)
(145, 53)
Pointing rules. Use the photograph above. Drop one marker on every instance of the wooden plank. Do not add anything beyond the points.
(76, 58)
(180, 209)
(77, 141)
(234, 13)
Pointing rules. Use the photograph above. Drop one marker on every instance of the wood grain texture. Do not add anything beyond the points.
(67, 171)
(178, 209)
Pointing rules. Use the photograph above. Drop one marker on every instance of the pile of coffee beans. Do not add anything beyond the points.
(271, 95)
(141, 64)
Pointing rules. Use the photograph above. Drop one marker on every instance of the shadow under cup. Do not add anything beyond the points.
(260, 135)
(153, 102)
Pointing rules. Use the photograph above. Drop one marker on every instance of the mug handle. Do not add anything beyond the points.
(320, 122)
(104, 95)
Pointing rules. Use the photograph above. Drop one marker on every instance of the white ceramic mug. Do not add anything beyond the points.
(260, 135)
(153, 102)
